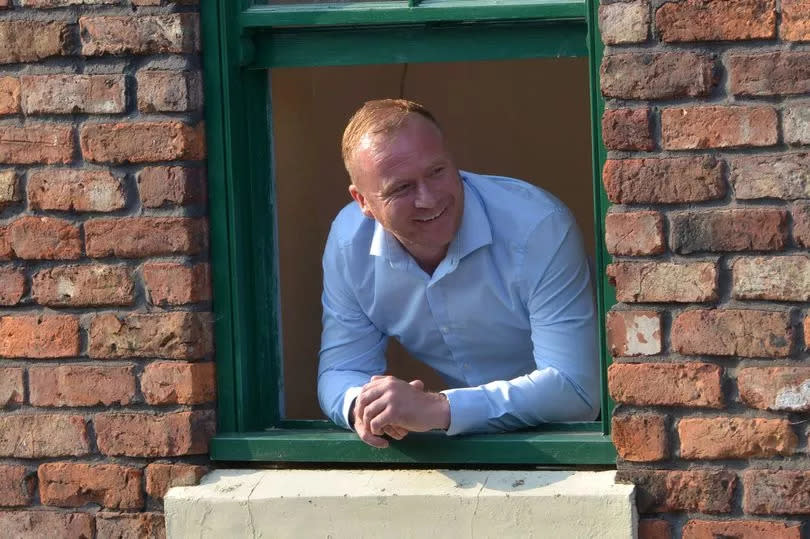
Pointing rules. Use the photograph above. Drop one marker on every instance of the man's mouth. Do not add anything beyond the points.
(432, 217)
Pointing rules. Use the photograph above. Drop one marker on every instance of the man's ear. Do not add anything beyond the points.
(361, 201)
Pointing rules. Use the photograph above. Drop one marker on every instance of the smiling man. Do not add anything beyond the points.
(483, 278)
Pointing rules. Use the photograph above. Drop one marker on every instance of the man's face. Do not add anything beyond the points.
(407, 181)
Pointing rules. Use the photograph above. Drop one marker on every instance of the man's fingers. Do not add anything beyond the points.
(368, 437)
(382, 420)
(397, 433)
(418, 384)
(371, 410)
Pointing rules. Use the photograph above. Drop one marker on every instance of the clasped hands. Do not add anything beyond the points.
(390, 406)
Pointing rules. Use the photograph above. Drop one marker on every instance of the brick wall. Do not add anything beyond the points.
(707, 131)
(106, 373)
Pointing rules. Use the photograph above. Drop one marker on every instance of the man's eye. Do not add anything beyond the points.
(399, 189)
(436, 171)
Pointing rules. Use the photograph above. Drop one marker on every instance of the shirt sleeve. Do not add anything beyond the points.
(352, 348)
(560, 303)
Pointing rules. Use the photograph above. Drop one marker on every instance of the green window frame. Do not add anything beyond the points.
(242, 39)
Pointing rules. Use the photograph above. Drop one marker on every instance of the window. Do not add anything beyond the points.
(246, 118)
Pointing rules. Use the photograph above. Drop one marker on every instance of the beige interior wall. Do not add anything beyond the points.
(525, 118)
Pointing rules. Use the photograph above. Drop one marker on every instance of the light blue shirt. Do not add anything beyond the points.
(507, 318)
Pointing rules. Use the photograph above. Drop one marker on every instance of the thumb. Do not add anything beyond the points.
(418, 384)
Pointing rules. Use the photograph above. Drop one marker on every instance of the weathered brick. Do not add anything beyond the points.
(81, 385)
(39, 336)
(627, 129)
(171, 186)
(145, 236)
(9, 187)
(775, 388)
(141, 142)
(169, 91)
(801, 223)
(795, 25)
(667, 384)
(704, 491)
(73, 484)
(624, 22)
(145, 435)
(130, 525)
(44, 238)
(633, 333)
(649, 528)
(161, 477)
(36, 143)
(735, 437)
(783, 278)
(776, 492)
(640, 438)
(176, 33)
(169, 382)
(785, 176)
(741, 529)
(728, 230)
(11, 386)
(772, 73)
(70, 94)
(716, 20)
(732, 332)
(75, 190)
(34, 436)
(175, 284)
(642, 282)
(12, 285)
(16, 486)
(667, 75)
(29, 41)
(689, 128)
(634, 233)
(6, 252)
(663, 181)
(64, 3)
(9, 95)
(83, 286)
(796, 122)
(177, 335)
(50, 524)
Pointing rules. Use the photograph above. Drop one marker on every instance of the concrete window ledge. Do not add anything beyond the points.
(401, 503)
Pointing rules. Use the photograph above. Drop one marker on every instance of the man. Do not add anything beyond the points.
(483, 278)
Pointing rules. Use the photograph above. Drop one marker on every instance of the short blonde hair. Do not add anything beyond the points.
(380, 116)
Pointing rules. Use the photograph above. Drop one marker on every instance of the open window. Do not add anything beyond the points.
(513, 85)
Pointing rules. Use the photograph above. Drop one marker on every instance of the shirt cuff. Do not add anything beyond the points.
(469, 410)
(351, 394)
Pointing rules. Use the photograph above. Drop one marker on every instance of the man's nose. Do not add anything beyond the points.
(425, 197)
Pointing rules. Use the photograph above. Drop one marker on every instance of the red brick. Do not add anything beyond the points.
(169, 91)
(735, 438)
(12, 285)
(732, 332)
(649, 528)
(70, 94)
(624, 22)
(664, 281)
(784, 389)
(807, 333)
(11, 386)
(663, 181)
(716, 20)
(33, 436)
(728, 230)
(130, 525)
(39, 336)
(9, 95)
(29, 41)
(80, 385)
(161, 477)
(640, 438)
(801, 223)
(16, 486)
(718, 127)
(75, 190)
(171, 186)
(144, 435)
(36, 143)
(169, 382)
(50, 524)
(633, 333)
(627, 129)
(667, 384)
(784, 175)
(634, 233)
(141, 142)
(776, 492)
(741, 529)
(771, 73)
(83, 286)
(667, 75)
(44, 238)
(138, 237)
(704, 491)
(73, 484)
(177, 335)
(783, 278)
(795, 24)
(9, 187)
(176, 284)
(6, 252)
(176, 33)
